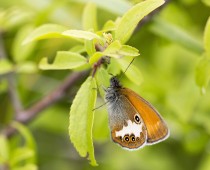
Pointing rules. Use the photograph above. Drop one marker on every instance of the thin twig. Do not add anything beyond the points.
(2, 51)
(51, 98)
(14, 96)
(57, 94)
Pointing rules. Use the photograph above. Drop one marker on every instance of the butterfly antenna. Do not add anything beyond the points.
(128, 66)
(99, 106)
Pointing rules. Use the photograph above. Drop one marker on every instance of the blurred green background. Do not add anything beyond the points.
(168, 65)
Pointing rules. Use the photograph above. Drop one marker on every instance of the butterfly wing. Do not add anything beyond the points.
(126, 124)
(157, 129)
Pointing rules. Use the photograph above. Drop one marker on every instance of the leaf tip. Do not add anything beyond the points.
(26, 41)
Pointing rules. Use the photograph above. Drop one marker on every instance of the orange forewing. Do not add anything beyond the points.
(156, 128)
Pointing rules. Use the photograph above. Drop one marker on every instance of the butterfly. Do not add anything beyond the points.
(133, 121)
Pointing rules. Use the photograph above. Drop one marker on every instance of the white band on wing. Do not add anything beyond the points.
(131, 128)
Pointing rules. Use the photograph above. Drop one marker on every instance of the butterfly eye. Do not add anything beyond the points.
(137, 119)
(132, 138)
(126, 138)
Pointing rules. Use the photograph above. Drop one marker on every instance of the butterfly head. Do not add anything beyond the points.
(115, 83)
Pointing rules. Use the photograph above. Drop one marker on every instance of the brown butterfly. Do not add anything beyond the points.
(133, 121)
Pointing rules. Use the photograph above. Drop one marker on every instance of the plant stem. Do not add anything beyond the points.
(57, 94)
(14, 96)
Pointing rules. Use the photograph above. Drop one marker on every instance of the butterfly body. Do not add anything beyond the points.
(133, 121)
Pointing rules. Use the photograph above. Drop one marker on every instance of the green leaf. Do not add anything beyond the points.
(95, 57)
(4, 149)
(26, 67)
(207, 2)
(132, 17)
(102, 78)
(176, 34)
(115, 6)
(14, 16)
(116, 50)
(78, 49)
(21, 52)
(86, 35)
(108, 26)
(133, 73)
(26, 167)
(112, 49)
(5, 66)
(207, 38)
(21, 154)
(63, 60)
(89, 18)
(90, 47)
(127, 50)
(29, 140)
(45, 31)
(26, 153)
(81, 119)
(113, 67)
(202, 73)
